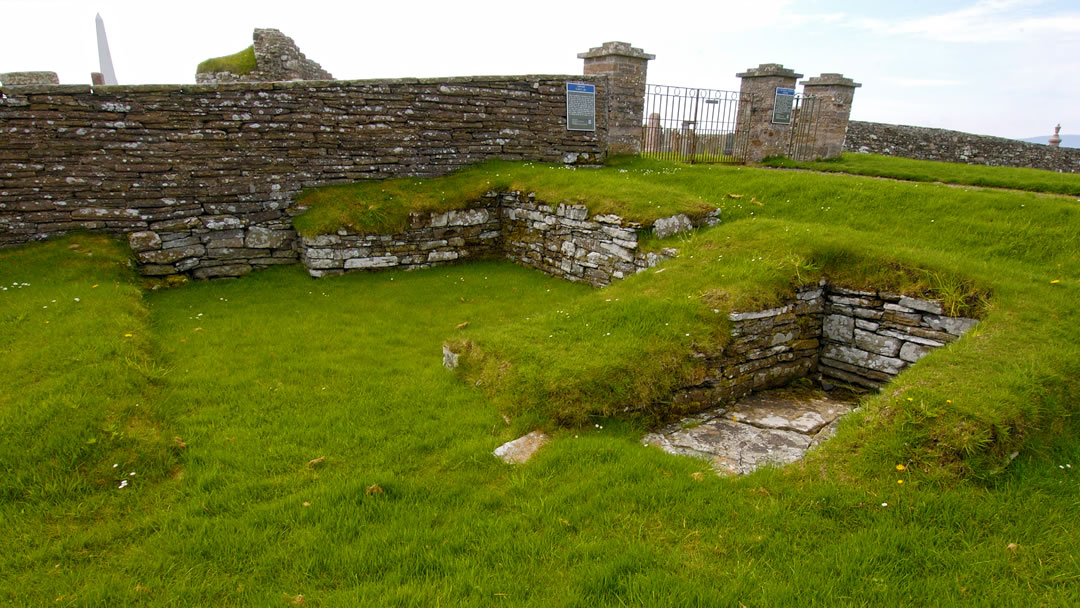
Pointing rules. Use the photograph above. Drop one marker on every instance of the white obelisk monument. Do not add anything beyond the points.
(103, 53)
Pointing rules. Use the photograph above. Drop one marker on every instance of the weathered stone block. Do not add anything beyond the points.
(442, 256)
(839, 328)
(956, 326)
(374, 262)
(167, 256)
(862, 358)
(223, 271)
(665, 227)
(922, 305)
(144, 240)
(913, 352)
(882, 345)
(263, 238)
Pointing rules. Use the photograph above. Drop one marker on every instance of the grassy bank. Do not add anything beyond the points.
(307, 442)
(237, 63)
(1034, 180)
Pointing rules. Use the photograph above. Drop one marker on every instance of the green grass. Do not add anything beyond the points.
(384, 206)
(237, 63)
(1035, 180)
(260, 376)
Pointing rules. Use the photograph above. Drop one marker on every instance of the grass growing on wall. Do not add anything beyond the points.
(1035, 180)
(237, 63)
(308, 448)
(384, 206)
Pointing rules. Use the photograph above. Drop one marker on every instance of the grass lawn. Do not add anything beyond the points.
(297, 437)
(1035, 180)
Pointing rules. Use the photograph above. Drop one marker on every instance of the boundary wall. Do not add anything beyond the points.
(923, 143)
(213, 170)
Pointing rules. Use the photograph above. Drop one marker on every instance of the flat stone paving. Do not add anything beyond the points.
(776, 427)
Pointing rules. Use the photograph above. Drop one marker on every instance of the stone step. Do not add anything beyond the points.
(770, 427)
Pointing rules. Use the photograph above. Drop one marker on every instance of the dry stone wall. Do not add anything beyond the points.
(858, 338)
(206, 175)
(869, 337)
(429, 240)
(923, 143)
(560, 240)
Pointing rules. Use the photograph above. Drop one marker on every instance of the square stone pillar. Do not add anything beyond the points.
(833, 94)
(625, 67)
(758, 94)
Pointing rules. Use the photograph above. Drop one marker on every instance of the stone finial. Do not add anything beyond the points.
(1055, 139)
(830, 79)
(769, 69)
(622, 49)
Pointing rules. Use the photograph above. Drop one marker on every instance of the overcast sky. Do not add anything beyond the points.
(998, 67)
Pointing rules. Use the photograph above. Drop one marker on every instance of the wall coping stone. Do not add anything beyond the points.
(769, 69)
(37, 89)
(622, 49)
(830, 79)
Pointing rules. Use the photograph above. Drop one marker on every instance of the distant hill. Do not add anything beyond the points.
(1067, 141)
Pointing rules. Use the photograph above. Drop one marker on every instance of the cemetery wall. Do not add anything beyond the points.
(924, 143)
(205, 176)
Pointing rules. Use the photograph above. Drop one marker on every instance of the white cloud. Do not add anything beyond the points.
(924, 82)
(983, 21)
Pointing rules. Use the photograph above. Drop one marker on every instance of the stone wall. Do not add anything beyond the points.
(559, 240)
(858, 338)
(430, 239)
(869, 337)
(207, 174)
(277, 58)
(923, 143)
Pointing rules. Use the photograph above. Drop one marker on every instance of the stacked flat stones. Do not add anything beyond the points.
(858, 338)
(560, 240)
(206, 175)
(923, 143)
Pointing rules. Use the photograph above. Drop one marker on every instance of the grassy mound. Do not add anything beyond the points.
(237, 63)
(331, 460)
(1034, 180)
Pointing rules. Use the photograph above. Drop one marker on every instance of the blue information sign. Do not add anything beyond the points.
(580, 106)
(782, 106)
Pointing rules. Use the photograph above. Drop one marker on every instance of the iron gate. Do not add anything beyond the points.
(709, 126)
(803, 129)
(694, 125)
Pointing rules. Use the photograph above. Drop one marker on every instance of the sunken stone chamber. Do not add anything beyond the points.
(858, 338)
(560, 240)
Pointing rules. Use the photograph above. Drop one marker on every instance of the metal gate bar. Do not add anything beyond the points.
(693, 125)
(803, 129)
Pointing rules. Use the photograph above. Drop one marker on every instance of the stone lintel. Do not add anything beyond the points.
(622, 49)
(769, 69)
(830, 79)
